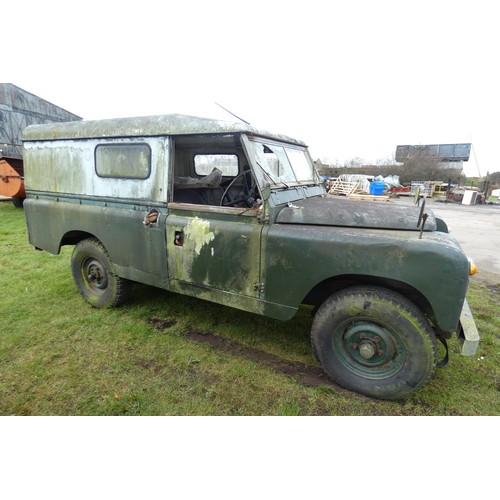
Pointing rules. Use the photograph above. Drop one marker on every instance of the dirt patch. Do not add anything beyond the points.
(150, 365)
(306, 375)
(161, 324)
(495, 289)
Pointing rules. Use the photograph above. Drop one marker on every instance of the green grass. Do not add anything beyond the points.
(59, 356)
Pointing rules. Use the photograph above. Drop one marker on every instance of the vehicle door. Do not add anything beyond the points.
(214, 246)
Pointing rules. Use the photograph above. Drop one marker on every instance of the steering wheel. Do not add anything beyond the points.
(245, 196)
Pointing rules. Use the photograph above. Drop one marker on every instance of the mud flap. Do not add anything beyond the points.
(444, 361)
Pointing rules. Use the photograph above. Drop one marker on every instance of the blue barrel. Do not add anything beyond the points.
(377, 188)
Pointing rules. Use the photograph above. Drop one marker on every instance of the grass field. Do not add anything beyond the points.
(164, 354)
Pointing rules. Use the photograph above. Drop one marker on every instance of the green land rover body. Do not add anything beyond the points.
(232, 214)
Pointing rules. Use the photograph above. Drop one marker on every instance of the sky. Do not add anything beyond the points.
(352, 79)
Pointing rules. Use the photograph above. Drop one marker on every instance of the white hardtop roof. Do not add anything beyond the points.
(144, 126)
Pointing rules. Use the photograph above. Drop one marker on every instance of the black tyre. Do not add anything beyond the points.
(375, 342)
(94, 277)
(17, 202)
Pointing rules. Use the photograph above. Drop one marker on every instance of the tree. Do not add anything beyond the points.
(354, 162)
(493, 179)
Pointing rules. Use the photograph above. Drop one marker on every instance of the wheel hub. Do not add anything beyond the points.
(96, 275)
(368, 344)
(367, 349)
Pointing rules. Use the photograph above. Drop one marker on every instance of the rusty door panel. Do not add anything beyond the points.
(215, 250)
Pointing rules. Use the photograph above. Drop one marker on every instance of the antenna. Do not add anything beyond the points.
(236, 116)
(475, 157)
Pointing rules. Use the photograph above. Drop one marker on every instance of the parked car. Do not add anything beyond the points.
(232, 214)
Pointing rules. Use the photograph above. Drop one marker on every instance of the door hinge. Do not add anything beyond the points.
(258, 287)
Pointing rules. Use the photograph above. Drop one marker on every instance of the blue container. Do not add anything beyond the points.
(377, 188)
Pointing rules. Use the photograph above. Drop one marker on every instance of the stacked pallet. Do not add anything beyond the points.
(341, 187)
(351, 190)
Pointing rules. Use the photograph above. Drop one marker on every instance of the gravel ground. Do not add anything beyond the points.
(477, 229)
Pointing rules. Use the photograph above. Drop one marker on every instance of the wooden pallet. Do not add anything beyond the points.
(343, 187)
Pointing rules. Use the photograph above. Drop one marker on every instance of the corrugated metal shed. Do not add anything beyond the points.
(18, 109)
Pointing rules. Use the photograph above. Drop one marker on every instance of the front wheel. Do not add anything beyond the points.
(374, 341)
(94, 277)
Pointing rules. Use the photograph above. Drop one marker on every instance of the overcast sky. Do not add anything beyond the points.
(351, 78)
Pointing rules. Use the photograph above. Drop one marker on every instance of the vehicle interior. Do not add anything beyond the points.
(213, 170)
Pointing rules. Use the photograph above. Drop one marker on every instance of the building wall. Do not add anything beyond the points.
(18, 109)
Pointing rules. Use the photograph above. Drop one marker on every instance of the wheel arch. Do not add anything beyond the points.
(332, 285)
(73, 237)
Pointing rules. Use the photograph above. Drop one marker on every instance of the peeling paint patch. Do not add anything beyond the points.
(198, 231)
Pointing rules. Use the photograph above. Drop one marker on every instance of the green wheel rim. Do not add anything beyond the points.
(369, 349)
(95, 276)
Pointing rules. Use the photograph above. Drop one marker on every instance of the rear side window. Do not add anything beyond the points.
(227, 164)
(123, 161)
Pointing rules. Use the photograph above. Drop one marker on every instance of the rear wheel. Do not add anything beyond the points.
(375, 342)
(94, 277)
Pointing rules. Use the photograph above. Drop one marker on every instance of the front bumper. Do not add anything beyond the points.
(467, 333)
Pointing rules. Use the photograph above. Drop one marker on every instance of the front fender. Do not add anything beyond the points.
(296, 258)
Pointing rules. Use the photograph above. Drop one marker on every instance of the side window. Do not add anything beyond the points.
(123, 161)
(227, 164)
